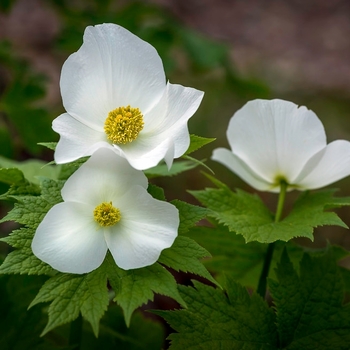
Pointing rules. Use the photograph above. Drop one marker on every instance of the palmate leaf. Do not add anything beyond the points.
(69, 294)
(136, 287)
(309, 311)
(310, 314)
(247, 215)
(215, 320)
(29, 211)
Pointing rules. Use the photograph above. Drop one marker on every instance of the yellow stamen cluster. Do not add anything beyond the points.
(106, 215)
(123, 124)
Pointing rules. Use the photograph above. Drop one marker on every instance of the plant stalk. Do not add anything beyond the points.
(261, 290)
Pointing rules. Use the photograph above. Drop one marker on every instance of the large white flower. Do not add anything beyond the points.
(106, 207)
(115, 94)
(274, 141)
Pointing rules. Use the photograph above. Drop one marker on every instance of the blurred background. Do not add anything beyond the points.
(234, 50)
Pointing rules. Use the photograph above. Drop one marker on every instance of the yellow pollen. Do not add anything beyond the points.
(123, 124)
(106, 215)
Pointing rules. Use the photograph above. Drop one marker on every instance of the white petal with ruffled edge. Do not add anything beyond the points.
(112, 68)
(275, 138)
(332, 165)
(147, 227)
(236, 165)
(69, 240)
(103, 177)
(165, 134)
(76, 139)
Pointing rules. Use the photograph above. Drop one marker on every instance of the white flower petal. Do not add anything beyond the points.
(112, 68)
(145, 152)
(165, 135)
(147, 227)
(175, 108)
(236, 165)
(275, 138)
(69, 240)
(330, 165)
(76, 139)
(101, 178)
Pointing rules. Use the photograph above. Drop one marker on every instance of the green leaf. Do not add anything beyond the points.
(11, 176)
(19, 185)
(184, 253)
(136, 287)
(197, 142)
(310, 314)
(32, 169)
(189, 214)
(51, 190)
(156, 192)
(68, 169)
(71, 294)
(183, 256)
(198, 162)
(231, 256)
(216, 321)
(177, 168)
(246, 214)
(22, 260)
(49, 145)
(29, 211)
(242, 212)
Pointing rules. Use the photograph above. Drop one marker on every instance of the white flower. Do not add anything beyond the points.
(115, 94)
(274, 141)
(106, 207)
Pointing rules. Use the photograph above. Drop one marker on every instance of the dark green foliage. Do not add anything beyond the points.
(215, 320)
(309, 311)
(246, 214)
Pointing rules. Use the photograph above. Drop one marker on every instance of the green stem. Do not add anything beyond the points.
(75, 333)
(261, 290)
(281, 199)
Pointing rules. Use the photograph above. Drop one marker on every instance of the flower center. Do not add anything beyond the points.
(123, 124)
(106, 215)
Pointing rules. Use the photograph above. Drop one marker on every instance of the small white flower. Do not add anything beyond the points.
(105, 206)
(274, 141)
(115, 94)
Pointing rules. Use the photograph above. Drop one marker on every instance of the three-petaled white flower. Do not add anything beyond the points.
(274, 141)
(105, 206)
(115, 94)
